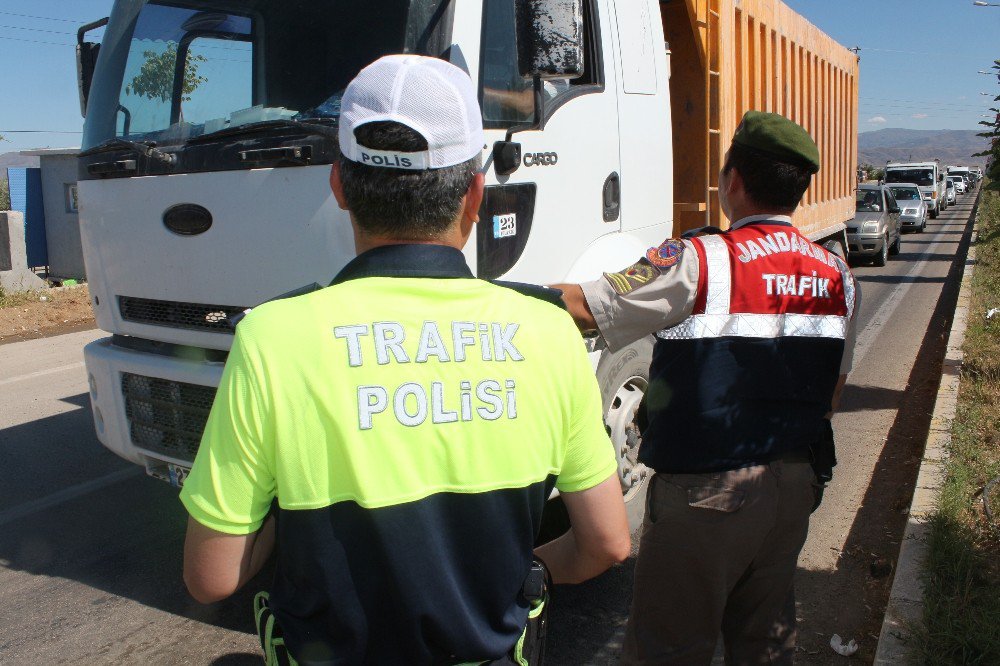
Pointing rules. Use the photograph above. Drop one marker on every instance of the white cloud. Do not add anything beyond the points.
(919, 115)
(877, 119)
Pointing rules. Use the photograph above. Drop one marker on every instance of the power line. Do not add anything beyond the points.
(45, 18)
(41, 132)
(33, 41)
(51, 32)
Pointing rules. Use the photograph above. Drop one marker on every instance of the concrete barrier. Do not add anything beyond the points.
(14, 273)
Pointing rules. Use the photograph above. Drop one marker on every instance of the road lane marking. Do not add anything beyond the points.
(41, 373)
(888, 307)
(67, 494)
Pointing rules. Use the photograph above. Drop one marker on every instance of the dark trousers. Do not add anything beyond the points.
(718, 552)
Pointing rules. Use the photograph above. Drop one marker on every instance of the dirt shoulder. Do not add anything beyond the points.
(40, 314)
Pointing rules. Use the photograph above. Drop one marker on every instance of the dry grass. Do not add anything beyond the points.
(39, 313)
(962, 583)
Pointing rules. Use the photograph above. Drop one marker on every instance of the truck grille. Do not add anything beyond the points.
(194, 316)
(164, 416)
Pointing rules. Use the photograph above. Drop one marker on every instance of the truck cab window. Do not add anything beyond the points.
(215, 78)
(507, 98)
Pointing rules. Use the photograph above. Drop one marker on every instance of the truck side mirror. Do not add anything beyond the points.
(86, 61)
(550, 38)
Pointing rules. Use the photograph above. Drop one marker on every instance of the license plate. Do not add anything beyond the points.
(177, 474)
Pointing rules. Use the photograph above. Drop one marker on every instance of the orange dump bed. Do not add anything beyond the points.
(731, 56)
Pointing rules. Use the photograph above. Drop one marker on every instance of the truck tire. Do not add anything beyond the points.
(936, 211)
(623, 378)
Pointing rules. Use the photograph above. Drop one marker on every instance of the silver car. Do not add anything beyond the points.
(913, 208)
(875, 231)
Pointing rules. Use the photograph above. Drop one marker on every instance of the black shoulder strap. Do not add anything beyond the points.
(547, 294)
(306, 289)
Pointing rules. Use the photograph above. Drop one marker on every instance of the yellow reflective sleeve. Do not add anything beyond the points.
(590, 457)
(231, 484)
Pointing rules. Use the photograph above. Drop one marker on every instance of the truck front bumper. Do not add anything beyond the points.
(149, 408)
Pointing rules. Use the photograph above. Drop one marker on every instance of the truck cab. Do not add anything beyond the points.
(928, 177)
(210, 131)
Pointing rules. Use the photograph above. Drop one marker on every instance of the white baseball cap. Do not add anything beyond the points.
(430, 96)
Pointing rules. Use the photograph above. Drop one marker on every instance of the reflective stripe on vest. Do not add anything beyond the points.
(718, 320)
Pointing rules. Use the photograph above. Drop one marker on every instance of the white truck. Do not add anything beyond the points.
(927, 176)
(962, 172)
(210, 130)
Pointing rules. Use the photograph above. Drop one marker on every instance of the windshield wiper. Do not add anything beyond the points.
(146, 149)
(266, 126)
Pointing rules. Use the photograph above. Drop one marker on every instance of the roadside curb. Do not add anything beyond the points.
(906, 599)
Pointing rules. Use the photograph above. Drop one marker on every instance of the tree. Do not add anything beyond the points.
(155, 79)
(993, 133)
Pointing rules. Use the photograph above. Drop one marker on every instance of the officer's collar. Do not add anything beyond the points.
(412, 260)
(777, 220)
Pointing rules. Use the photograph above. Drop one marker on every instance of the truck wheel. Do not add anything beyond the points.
(883, 256)
(624, 378)
(934, 213)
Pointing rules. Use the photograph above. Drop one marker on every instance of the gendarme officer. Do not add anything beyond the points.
(410, 420)
(754, 338)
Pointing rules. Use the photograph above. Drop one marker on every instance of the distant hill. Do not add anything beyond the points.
(949, 146)
(15, 160)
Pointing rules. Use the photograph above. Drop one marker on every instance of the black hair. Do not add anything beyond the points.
(769, 182)
(402, 203)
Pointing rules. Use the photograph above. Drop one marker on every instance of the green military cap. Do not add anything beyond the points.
(778, 137)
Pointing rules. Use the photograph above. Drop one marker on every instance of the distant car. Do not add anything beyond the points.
(951, 192)
(913, 208)
(959, 184)
(875, 230)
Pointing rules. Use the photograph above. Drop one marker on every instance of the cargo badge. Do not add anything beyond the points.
(667, 254)
(633, 277)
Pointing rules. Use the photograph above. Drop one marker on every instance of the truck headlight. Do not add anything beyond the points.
(869, 228)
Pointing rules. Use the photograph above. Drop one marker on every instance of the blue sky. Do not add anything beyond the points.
(919, 60)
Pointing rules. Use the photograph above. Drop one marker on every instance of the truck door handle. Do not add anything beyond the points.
(612, 197)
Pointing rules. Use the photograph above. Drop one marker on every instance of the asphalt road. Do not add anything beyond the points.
(90, 548)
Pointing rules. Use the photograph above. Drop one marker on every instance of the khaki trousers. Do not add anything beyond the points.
(718, 552)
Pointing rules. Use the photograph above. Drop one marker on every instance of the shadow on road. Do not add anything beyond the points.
(88, 522)
(872, 544)
(869, 398)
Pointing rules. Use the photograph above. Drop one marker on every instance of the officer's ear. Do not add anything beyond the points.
(474, 198)
(336, 186)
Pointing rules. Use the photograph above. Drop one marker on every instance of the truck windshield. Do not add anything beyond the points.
(174, 70)
(923, 177)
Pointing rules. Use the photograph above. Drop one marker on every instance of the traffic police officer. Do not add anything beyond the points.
(754, 338)
(410, 420)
